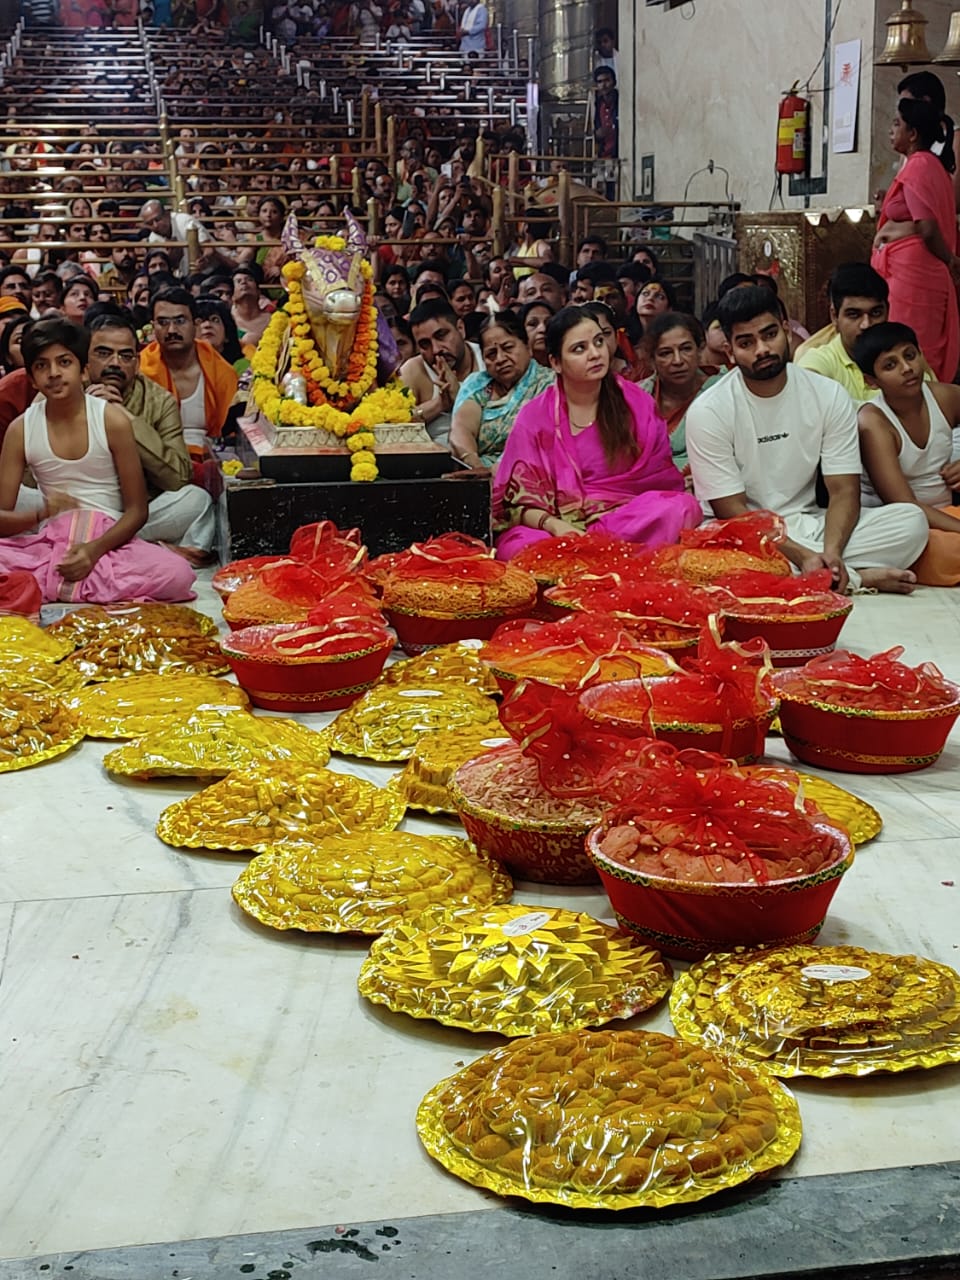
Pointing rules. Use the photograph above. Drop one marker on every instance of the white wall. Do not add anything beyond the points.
(704, 81)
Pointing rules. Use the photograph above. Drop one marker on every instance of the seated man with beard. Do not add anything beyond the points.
(179, 514)
(757, 438)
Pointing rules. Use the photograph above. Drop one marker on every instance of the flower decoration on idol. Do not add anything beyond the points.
(327, 357)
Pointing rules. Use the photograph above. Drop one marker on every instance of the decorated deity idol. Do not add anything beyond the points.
(327, 359)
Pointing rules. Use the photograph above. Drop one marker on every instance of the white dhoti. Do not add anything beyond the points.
(182, 517)
(891, 537)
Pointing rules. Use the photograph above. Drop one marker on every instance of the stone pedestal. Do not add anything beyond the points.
(292, 455)
(259, 517)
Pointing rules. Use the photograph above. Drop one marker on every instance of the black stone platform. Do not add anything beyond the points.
(900, 1222)
(259, 517)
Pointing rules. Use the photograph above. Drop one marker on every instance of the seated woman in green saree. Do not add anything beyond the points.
(677, 347)
(488, 402)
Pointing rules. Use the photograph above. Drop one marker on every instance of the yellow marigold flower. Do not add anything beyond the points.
(231, 466)
(293, 270)
(363, 472)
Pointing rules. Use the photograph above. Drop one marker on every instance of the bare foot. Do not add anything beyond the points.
(193, 555)
(897, 581)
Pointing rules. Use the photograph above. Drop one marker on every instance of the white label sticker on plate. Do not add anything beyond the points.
(470, 644)
(494, 742)
(525, 924)
(420, 693)
(835, 972)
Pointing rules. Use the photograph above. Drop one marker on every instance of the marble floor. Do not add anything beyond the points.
(171, 1070)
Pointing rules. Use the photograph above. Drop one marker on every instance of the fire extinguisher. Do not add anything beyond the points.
(792, 121)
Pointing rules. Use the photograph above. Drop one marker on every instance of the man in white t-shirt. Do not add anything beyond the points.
(756, 438)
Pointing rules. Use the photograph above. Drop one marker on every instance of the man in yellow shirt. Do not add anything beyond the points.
(858, 300)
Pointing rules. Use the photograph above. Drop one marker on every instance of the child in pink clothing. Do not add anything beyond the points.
(82, 453)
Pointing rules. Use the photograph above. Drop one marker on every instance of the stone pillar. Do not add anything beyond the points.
(521, 16)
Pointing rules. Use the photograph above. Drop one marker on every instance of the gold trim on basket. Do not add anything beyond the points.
(312, 695)
(861, 757)
(690, 942)
(275, 660)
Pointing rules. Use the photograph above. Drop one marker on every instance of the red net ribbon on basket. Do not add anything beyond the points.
(328, 549)
(665, 600)
(350, 598)
(721, 547)
(573, 555)
(878, 683)
(331, 639)
(578, 651)
(708, 821)
(762, 594)
(450, 557)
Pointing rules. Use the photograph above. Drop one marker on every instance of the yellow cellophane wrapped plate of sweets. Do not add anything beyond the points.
(514, 969)
(93, 622)
(211, 744)
(609, 1120)
(34, 727)
(137, 705)
(435, 759)
(386, 723)
(33, 673)
(366, 882)
(822, 1011)
(254, 810)
(446, 663)
(859, 819)
(21, 638)
(140, 650)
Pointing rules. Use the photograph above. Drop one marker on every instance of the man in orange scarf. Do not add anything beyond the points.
(203, 383)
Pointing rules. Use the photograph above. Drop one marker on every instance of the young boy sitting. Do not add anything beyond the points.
(84, 459)
(906, 443)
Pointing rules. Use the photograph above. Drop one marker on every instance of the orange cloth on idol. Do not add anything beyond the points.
(219, 381)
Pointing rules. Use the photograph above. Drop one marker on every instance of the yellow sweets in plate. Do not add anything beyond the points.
(822, 1011)
(366, 882)
(90, 622)
(514, 969)
(254, 810)
(445, 664)
(20, 638)
(436, 758)
(388, 721)
(211, 744)
(136, 705)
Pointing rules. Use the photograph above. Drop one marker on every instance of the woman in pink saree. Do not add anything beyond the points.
(915, 246)
(588, 453)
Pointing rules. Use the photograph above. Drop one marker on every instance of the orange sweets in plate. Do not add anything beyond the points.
(578, 651)
(138, 651)
(93, 622)
(609, 1119)
(34, 727)
(455, 576)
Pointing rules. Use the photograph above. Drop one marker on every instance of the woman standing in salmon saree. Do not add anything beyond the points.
(590, 452)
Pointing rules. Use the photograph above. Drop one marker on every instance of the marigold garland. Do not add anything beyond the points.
(348, 408)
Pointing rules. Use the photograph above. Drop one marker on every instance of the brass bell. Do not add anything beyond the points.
(949, 55)
(906, 41)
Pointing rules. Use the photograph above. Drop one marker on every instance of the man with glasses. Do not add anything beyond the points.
(179, 514)
(203, 383)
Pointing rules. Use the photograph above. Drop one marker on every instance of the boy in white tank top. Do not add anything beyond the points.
(83, 456)
(907, 443)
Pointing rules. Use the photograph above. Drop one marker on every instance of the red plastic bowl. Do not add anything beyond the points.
(418, 632)
(854, 741)
(302, 683)
(741, 740)
(793, 639)
(547, 851)
(688, 920)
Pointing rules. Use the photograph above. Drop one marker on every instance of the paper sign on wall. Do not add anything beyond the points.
(846, 91)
